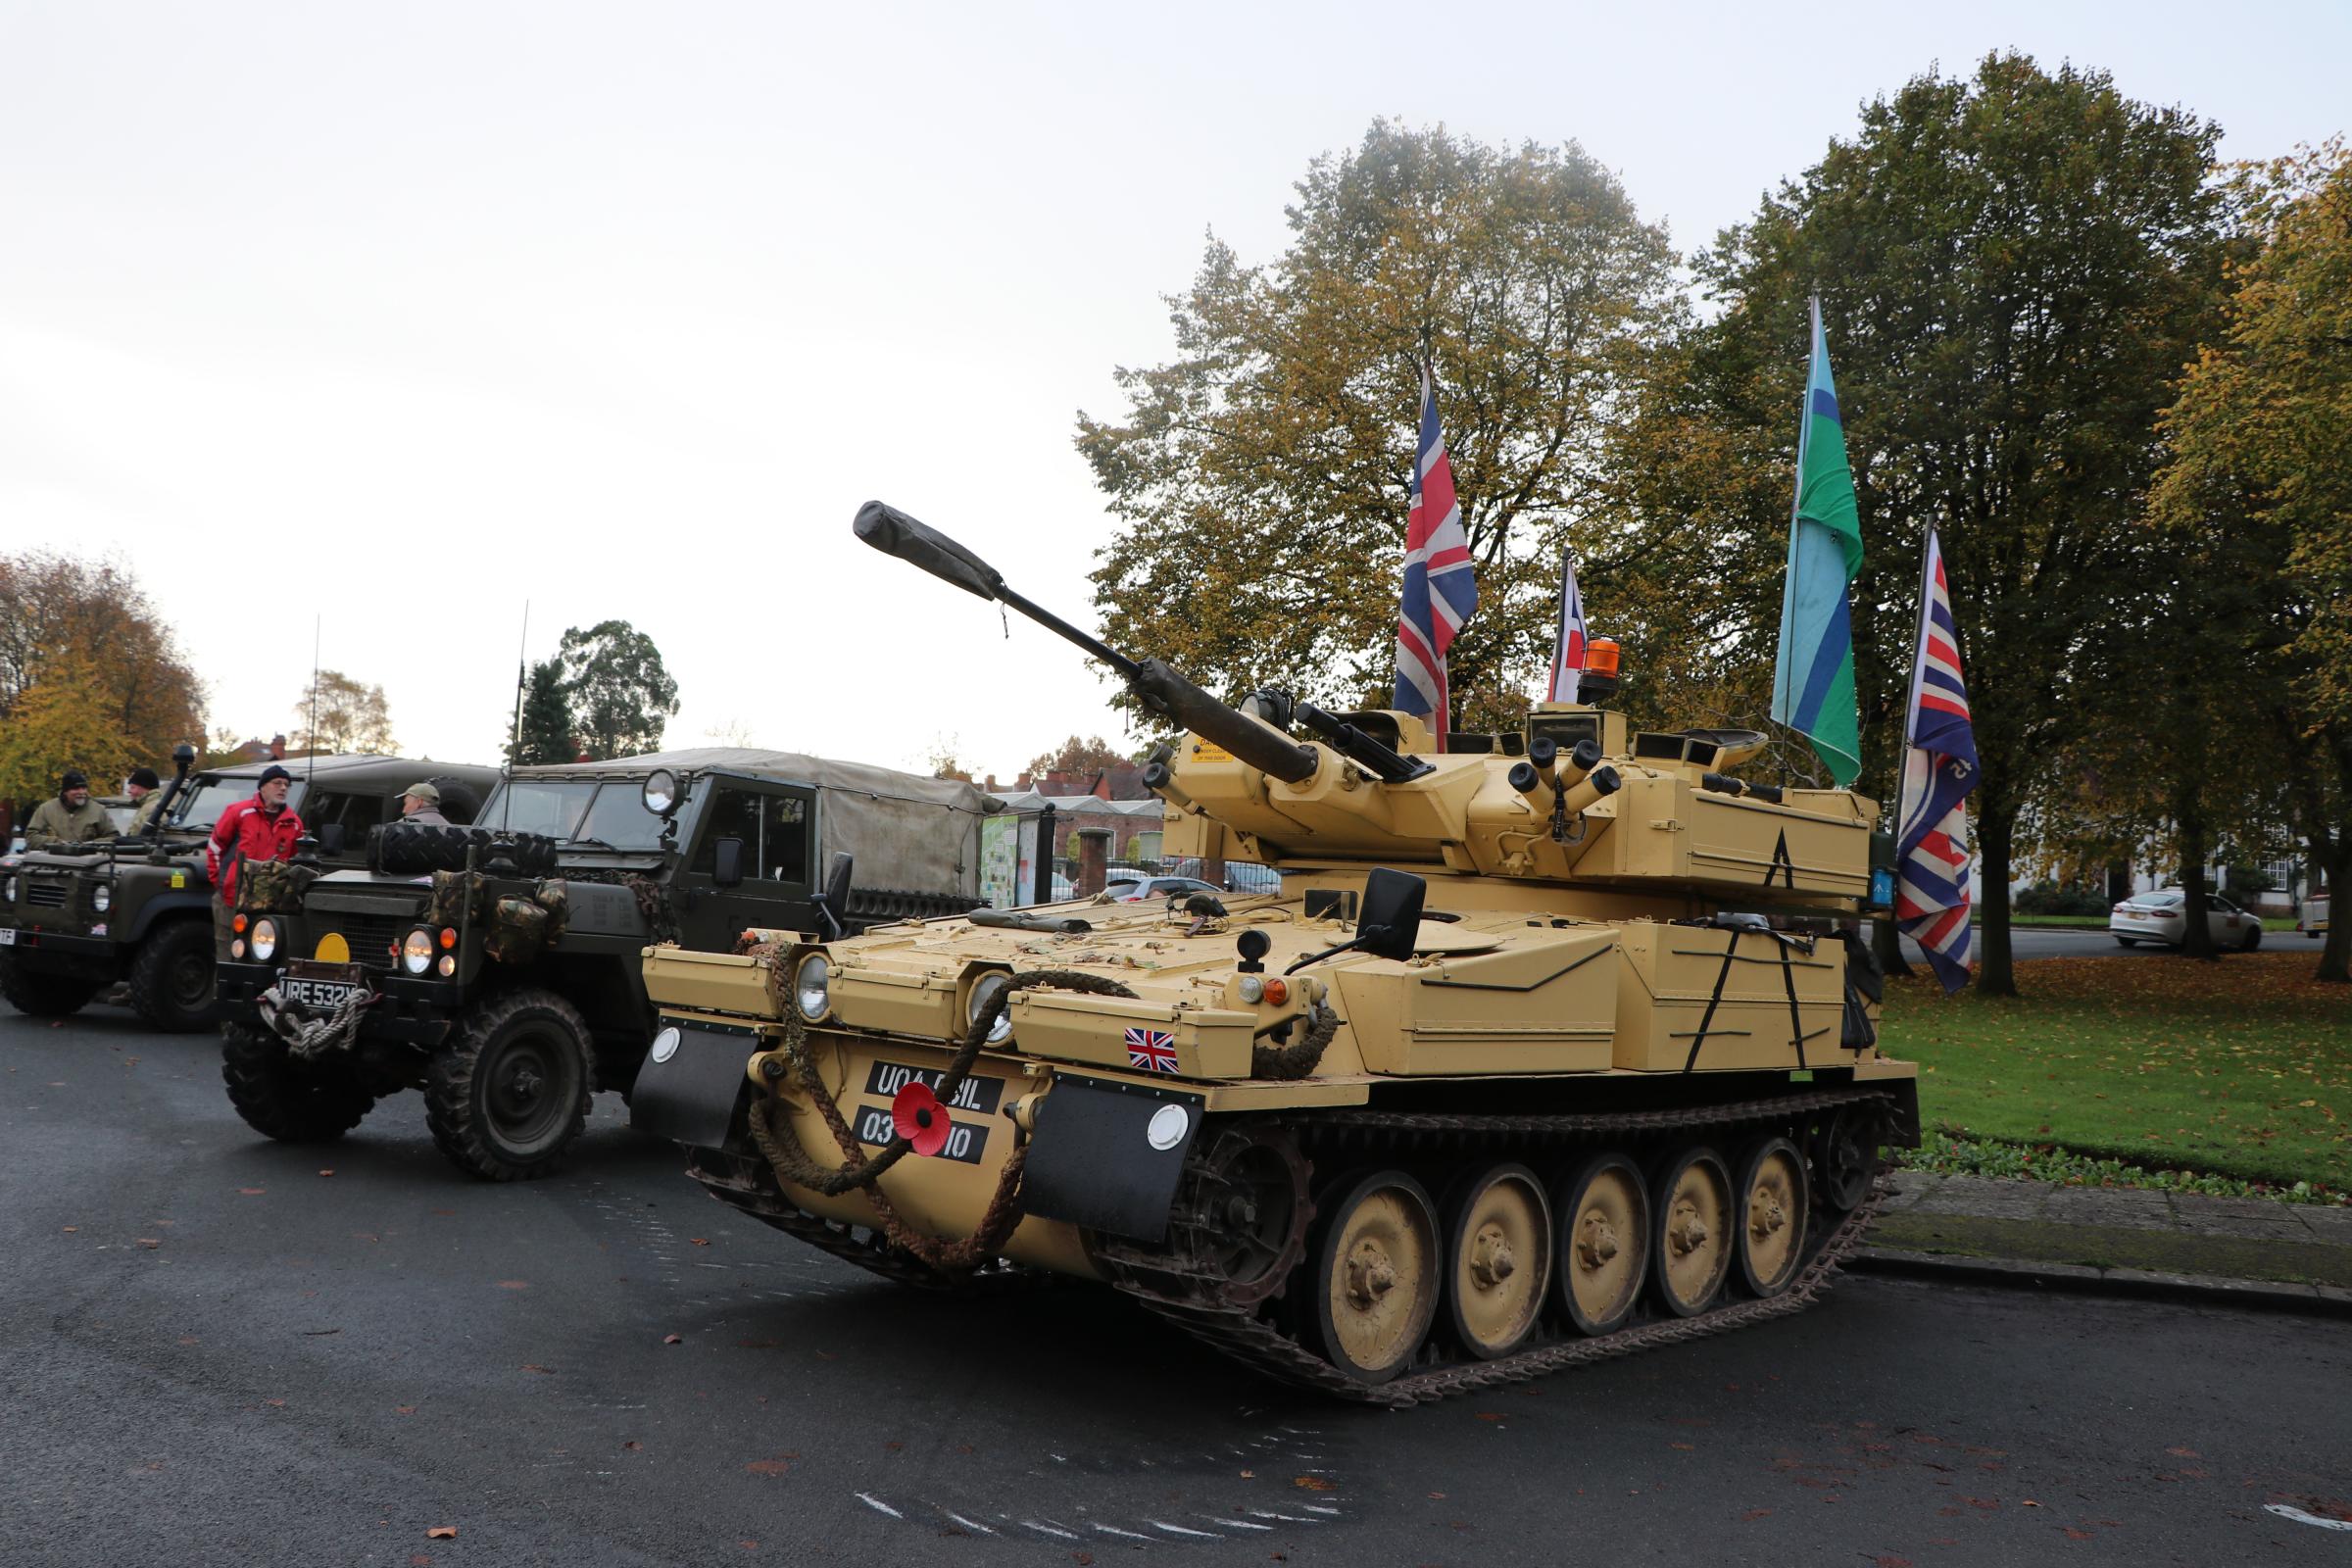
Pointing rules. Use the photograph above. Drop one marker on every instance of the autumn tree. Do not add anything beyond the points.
(67, 718)
(57, 610)
(1090, 755)
(621, 695)
(2012, 267)
(546, 733)
(1260, 477)
(339, 714)
(2261, 437)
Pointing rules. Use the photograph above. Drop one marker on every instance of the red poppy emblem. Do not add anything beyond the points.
(916, 1115)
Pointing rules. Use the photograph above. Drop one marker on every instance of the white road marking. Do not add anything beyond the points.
(1316, 1507)
(1050, 1530)
(1286, 1518)
(1128, 1534)
(878, 1505)
(1180, 1529)
(1235, 1524)
(968, 1523)
(2287, 1510)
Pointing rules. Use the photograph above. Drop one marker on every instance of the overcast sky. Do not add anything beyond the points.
(401, 314)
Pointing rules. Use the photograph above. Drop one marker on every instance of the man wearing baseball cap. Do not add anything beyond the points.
(421, 804)
(68, 818)
(258, 829)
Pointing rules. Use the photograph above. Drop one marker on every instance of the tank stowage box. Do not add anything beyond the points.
(1540, 1052)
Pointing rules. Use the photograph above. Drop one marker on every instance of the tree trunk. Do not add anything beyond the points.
(1996, 826)
(2196, 936)
(2335, 953)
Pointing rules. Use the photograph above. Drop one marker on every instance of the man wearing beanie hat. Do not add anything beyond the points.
(68, 818)
(146, 795)
(258, 829)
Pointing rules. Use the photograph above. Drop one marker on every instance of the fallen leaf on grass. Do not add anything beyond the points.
(442, 1533)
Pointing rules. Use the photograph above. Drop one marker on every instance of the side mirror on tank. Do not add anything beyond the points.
(833, 904)
(727, 862)
(1392, 913)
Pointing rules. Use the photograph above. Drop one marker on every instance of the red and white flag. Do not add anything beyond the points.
(1568, 654)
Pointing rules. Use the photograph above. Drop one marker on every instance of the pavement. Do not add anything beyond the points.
(2248, 1253)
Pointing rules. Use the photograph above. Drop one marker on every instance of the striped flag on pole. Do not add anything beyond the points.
(1940, 768)
(1568, 654)
(1813, 682)
(1440, 591)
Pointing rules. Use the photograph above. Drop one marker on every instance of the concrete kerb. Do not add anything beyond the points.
(2190, 1289)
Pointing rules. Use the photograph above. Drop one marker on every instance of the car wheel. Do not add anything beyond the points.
(171, 979)
(312, 1102)
(2253, 940)
(2127, 942)
(43, 996)
(508, 1090)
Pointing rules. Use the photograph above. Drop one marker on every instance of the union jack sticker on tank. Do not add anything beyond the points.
(1152, 1049)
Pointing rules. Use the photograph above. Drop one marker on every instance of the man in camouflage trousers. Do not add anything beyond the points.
(68, 818)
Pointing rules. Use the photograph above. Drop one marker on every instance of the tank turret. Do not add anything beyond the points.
(1551, 1044)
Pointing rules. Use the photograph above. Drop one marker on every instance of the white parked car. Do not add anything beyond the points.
(1155, 889)
(2159, 919)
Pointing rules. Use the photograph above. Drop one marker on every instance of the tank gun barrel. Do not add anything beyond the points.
(1155, 685)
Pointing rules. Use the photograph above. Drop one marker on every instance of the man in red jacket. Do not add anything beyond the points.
(258, 829)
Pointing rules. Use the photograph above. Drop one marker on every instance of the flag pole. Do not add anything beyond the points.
(1783, 700)
(1919, 640)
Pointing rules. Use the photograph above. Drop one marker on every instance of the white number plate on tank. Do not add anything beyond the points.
(965, 1142)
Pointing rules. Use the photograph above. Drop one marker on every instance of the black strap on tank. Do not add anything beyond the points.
(1797, 1019)
(1721, 975)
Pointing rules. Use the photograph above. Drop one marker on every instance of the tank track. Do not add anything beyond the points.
(1181, 1290)
(746, 1183)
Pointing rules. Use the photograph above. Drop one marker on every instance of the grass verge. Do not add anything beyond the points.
(2240, 1069)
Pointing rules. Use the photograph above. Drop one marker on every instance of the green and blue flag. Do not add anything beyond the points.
(1813, 681)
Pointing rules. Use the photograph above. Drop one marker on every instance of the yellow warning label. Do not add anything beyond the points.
(1209, 750)
(179, 880)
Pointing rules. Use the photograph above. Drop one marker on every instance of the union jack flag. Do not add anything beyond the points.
(1940, 768)
(1440, 589)
(1568, 654)
(1152, 1049)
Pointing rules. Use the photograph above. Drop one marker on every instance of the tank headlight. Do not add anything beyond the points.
(417, 953)
(102, 898)
(1253, 987)
(812, 987)
(984, 992)
(263, 939)
(666, 1044)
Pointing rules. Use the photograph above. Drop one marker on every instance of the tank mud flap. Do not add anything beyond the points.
(700, 1095)
(1108, 1156)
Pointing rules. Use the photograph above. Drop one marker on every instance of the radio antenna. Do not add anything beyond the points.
(310, 770)
(506, 796)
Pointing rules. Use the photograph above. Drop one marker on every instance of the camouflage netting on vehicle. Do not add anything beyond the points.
(520, 929)
(858, 1170)
(272, 887)
(457, 895)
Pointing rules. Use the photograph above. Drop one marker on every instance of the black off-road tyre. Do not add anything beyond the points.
(508, 1090)
(411, 848)
(459, 802)
(171, 979)
(292, 1102)
(43, 996)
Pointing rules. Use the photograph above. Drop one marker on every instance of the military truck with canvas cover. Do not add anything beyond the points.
(136, 908)
(497, 968)
(1551, 1045)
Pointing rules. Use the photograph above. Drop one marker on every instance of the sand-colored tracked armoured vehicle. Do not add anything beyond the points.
(1552, 1045)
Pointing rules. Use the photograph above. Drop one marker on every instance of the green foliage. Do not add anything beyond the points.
(343, 714)
(2048, 898)
(1950, 1150)
(1090, 755)
(546, 734)
(67, 718)
(620, 697)
(1260, 477)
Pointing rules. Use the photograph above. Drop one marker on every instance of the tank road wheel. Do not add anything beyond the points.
(1604, 1244)
(1773, 1203)
(43, 996)
(1376, 1276)
(1252, 1204)
(1845, 1147)
(171, 979)
(508, 1092)
(1498, 1250)
(281, 1099)
(1692, 1239)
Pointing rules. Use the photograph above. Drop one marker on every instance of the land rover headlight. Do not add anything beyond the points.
(812, 987)
(263, 939)
(417, 952)
(102, 898)
(984, 992)
(662, 791)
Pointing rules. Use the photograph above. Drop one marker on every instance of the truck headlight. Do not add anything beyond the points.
(812, 987)
(102, 898)
(984, 992)
(417, 952)
(263, 939)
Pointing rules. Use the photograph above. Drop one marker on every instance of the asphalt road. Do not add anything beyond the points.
(212, 1351)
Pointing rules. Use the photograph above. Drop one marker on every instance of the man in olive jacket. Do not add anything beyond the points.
(68, 818)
